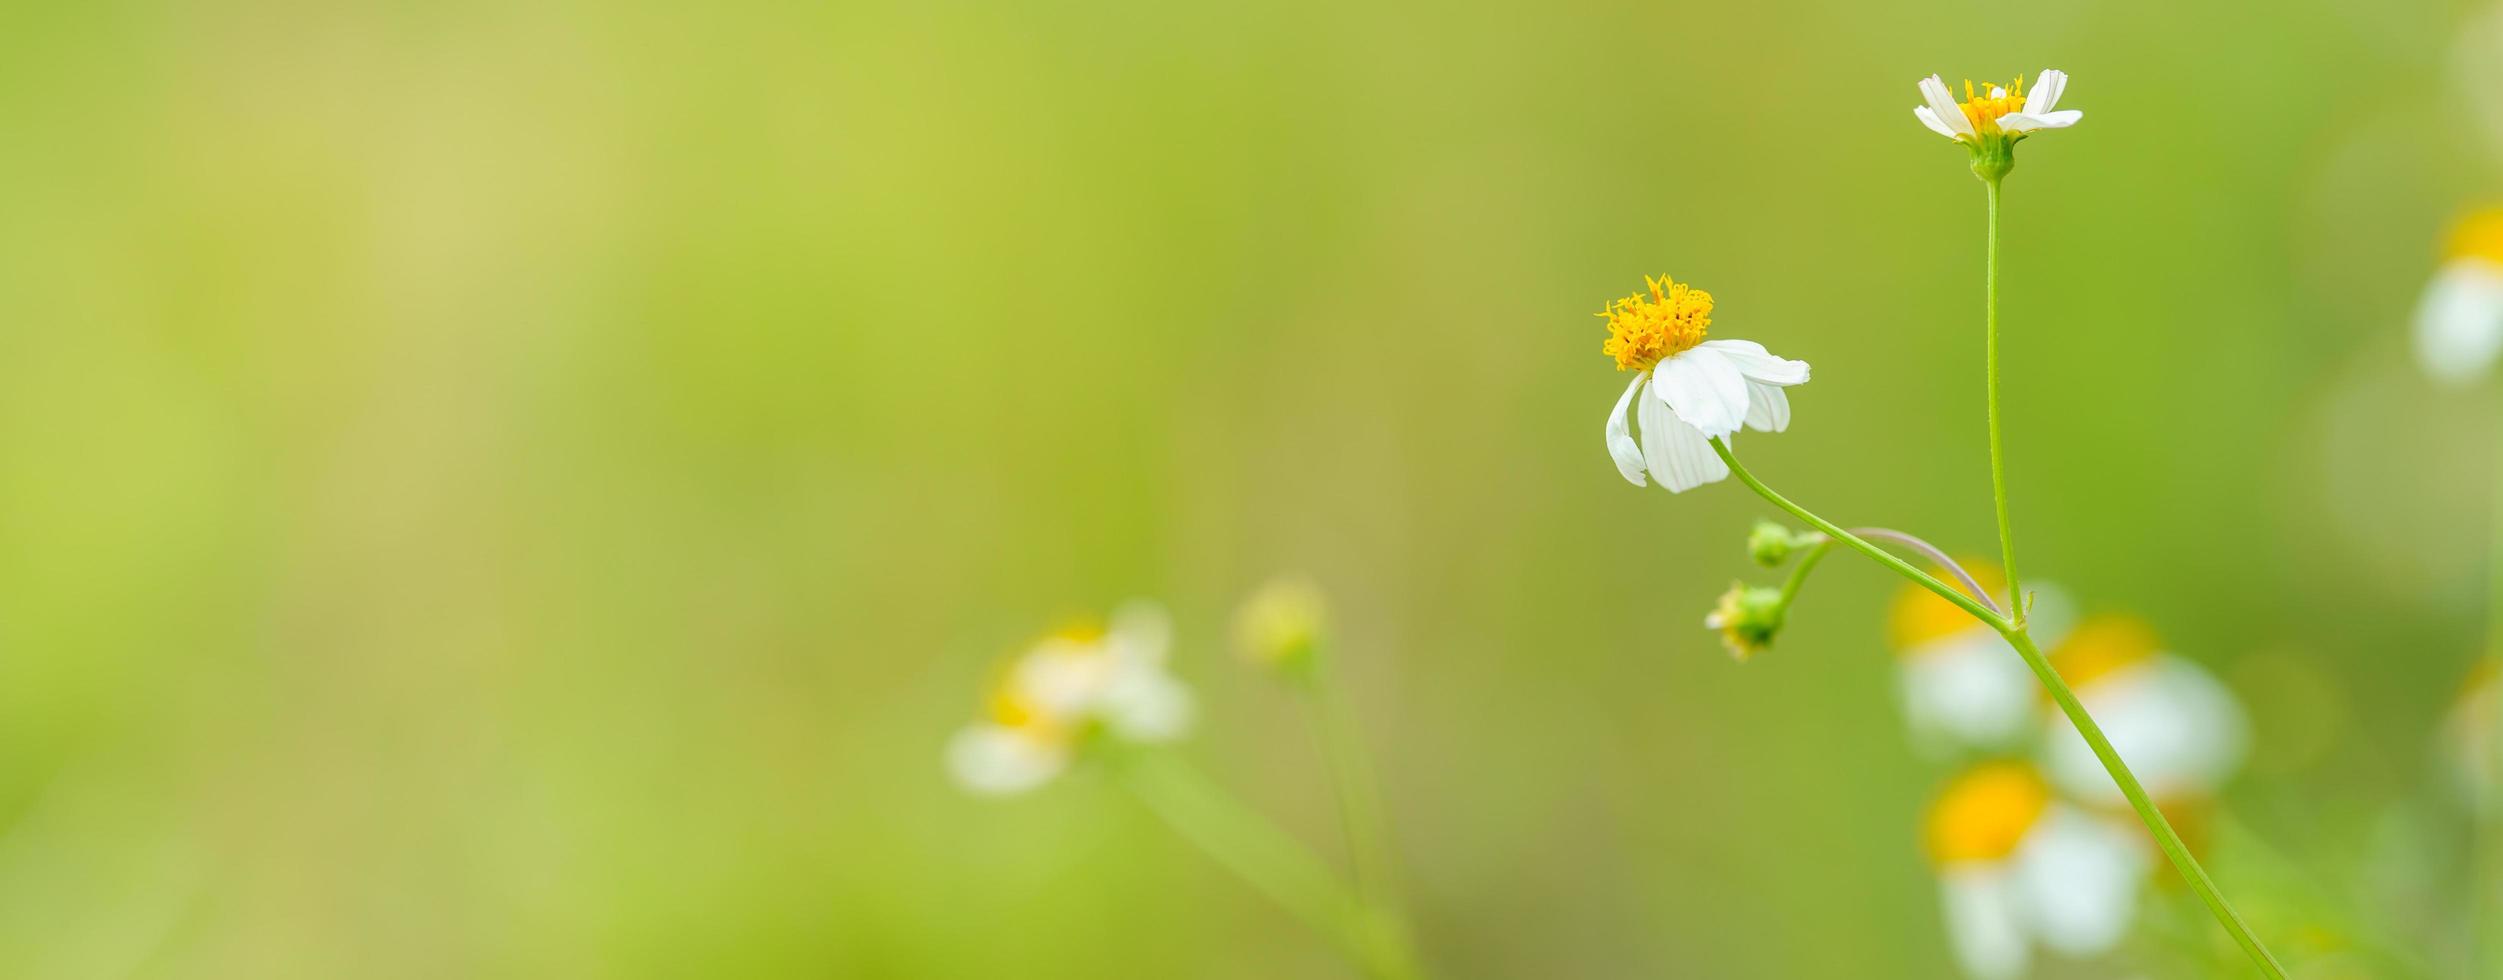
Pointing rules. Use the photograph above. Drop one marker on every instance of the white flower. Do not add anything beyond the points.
(2459, 322)
(1689, 390)
(2018, 869)
(2176, 726)
(1068, 686)
(2468, 738)
(1963, 687)
(1991, 112)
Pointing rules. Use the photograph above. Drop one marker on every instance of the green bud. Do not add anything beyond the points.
(1770, 544)
(1282, 625)
(1748, 618)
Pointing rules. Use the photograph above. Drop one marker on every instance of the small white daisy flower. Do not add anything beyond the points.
(2176, 725)
(1995, 113)
(1963, 687)
(2018, 869)
(1689, 390)
(1063, 690)
(2459, 322)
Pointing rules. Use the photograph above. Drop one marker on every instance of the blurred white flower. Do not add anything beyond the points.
(1964, 688)
(2018, 869)
(2176, 725)
(2468, 737)
(1990, 112)
(2459, 322)
(1689, 390)
(1065, 689)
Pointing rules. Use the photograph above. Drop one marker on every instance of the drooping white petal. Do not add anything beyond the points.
(2048, 87)
(1704, 388)
(1930, 119)
(1943, 106)
(1966, 691)
(996, 760)
(2179, 729)
(2459, 322)
(1679, 455)
(1758, 364)
(1984, 925)
(1148, 706)
(1621, 445)
(2079, 877)
(2026, 122)
(1768, 407)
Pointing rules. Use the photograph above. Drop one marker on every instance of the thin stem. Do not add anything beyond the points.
(1936, 556)
(1361, 818)
(1799, 573)
(1990, 371)
(2486, 834)
(1879, 555)
(1254, 849)
(2166, 840)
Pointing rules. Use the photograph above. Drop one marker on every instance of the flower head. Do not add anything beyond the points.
(1748, 618)
(2018, 868)
(2459, 322)
(1990, 119)
(1692, 390)
(1047, 702)
(1282, 624)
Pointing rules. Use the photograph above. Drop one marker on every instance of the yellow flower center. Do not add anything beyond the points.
(1984, 104)
(2101, 647)
(1642, 330)
(2478, 236)
(1919, 617)
(1985, 813)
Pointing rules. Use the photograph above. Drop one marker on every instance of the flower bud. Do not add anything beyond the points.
(1748, 617)
(1282, 625)
(1770, 544)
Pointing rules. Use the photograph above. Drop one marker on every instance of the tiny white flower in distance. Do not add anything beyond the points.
(2176, 725)
(2018, 869)
(1687, 390)
(1068, 687)
(1995, 112)
(2459, 322)
(1963, 687)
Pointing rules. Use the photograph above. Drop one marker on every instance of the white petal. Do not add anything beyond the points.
(1944, 107)
(2459, 322)
(2047, 90)
(1062, 678)
(2179, 729)
(1704, 388)
(1768, 407)
(1621, 445)
(1969, 690)
(995, 760)
(1148, 706)
(1141, 633)
(1983, 922)
(2026, 122)
(1680, 457)
(1930, 119)
(2079, 878)
(1759, 364)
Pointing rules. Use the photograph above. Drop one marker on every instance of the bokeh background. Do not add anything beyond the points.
(525, 489)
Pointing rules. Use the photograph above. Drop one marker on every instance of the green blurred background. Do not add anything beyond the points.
(525, 489)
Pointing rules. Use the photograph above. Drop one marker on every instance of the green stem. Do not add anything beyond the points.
(1990, 372)
(1799, 574)
(2486, 836)
(1361, 818)
(2166, 840)
(1254, 849)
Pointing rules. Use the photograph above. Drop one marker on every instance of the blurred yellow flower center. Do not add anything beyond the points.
(1986, 813)
(1919, 617)
(2478, 236)
(1642, 330)
(1012, 711)
(2101, 647)
(1984, 104)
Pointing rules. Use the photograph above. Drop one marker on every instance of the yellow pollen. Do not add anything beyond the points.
(1983, 109)
(1985, 813)
(2478, 236)
(2101, 647)
(1919, 617)
(1643, 330)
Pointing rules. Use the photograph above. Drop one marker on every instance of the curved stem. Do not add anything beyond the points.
(1936, 556)
(1879, 555)
(1361, 818)
(1990, 372)
(2166, 839)
(1799, 573)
